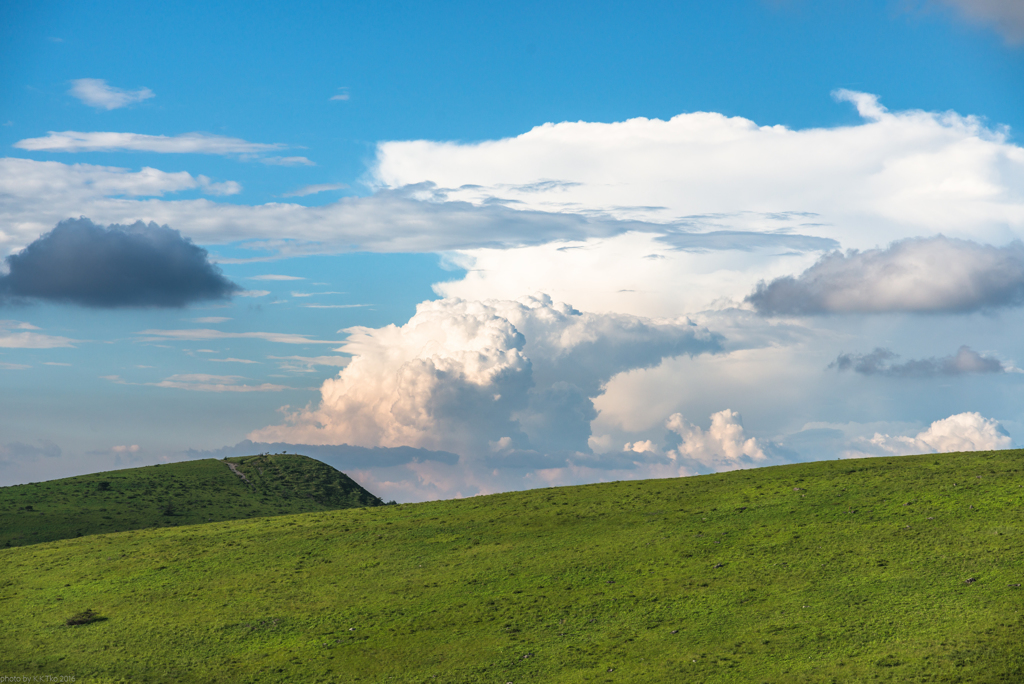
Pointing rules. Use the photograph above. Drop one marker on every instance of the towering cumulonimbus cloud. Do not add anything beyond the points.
(917, 275)
(475, 377)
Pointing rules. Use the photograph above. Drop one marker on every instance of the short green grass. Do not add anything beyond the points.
(175, 494)
(841, 571)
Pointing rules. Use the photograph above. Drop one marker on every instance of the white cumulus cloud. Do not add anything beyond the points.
(96, 93)
(723, 446)
(960, 432)
(479, 377)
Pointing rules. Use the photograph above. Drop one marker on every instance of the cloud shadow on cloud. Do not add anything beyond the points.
(744, 240)
(916, 275)
(81, 263)
(882, 362)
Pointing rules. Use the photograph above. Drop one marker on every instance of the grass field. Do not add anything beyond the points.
(878, 570)
(175, 494)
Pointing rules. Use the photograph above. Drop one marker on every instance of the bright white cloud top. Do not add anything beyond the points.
(896, 174)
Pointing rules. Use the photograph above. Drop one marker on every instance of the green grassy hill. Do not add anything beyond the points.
(175, 494)
(878, 570)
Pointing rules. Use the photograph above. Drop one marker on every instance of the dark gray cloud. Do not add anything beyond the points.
(918, 275)
(79, 262)
(882, 361)
(342, 456)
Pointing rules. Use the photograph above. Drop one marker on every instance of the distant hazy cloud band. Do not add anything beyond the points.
(340, 456)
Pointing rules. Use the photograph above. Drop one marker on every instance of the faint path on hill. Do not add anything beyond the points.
(238, 472)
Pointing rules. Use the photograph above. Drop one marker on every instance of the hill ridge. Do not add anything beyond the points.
(174, 494)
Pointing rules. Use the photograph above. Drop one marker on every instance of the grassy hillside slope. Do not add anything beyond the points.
(895, 569)
(175, 494)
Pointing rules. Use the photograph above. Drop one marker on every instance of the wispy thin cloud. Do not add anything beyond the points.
(314, 189)
(27, 338)
(314, 294)
(112, 141)
(211, 319)
(201, 382)
(274, 276)
(209, 334)
(233, 360)
(96, 93)
(308, 364)
(287, 161)
(335, 306)
(341, 96)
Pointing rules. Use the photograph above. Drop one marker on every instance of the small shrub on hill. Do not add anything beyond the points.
(84, 618)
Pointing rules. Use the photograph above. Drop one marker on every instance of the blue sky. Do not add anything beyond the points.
(502, 167)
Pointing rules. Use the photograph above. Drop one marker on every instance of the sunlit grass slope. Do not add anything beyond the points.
(896, 569)
(172, 495)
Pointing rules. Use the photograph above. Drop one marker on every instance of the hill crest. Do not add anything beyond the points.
(174, 494)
